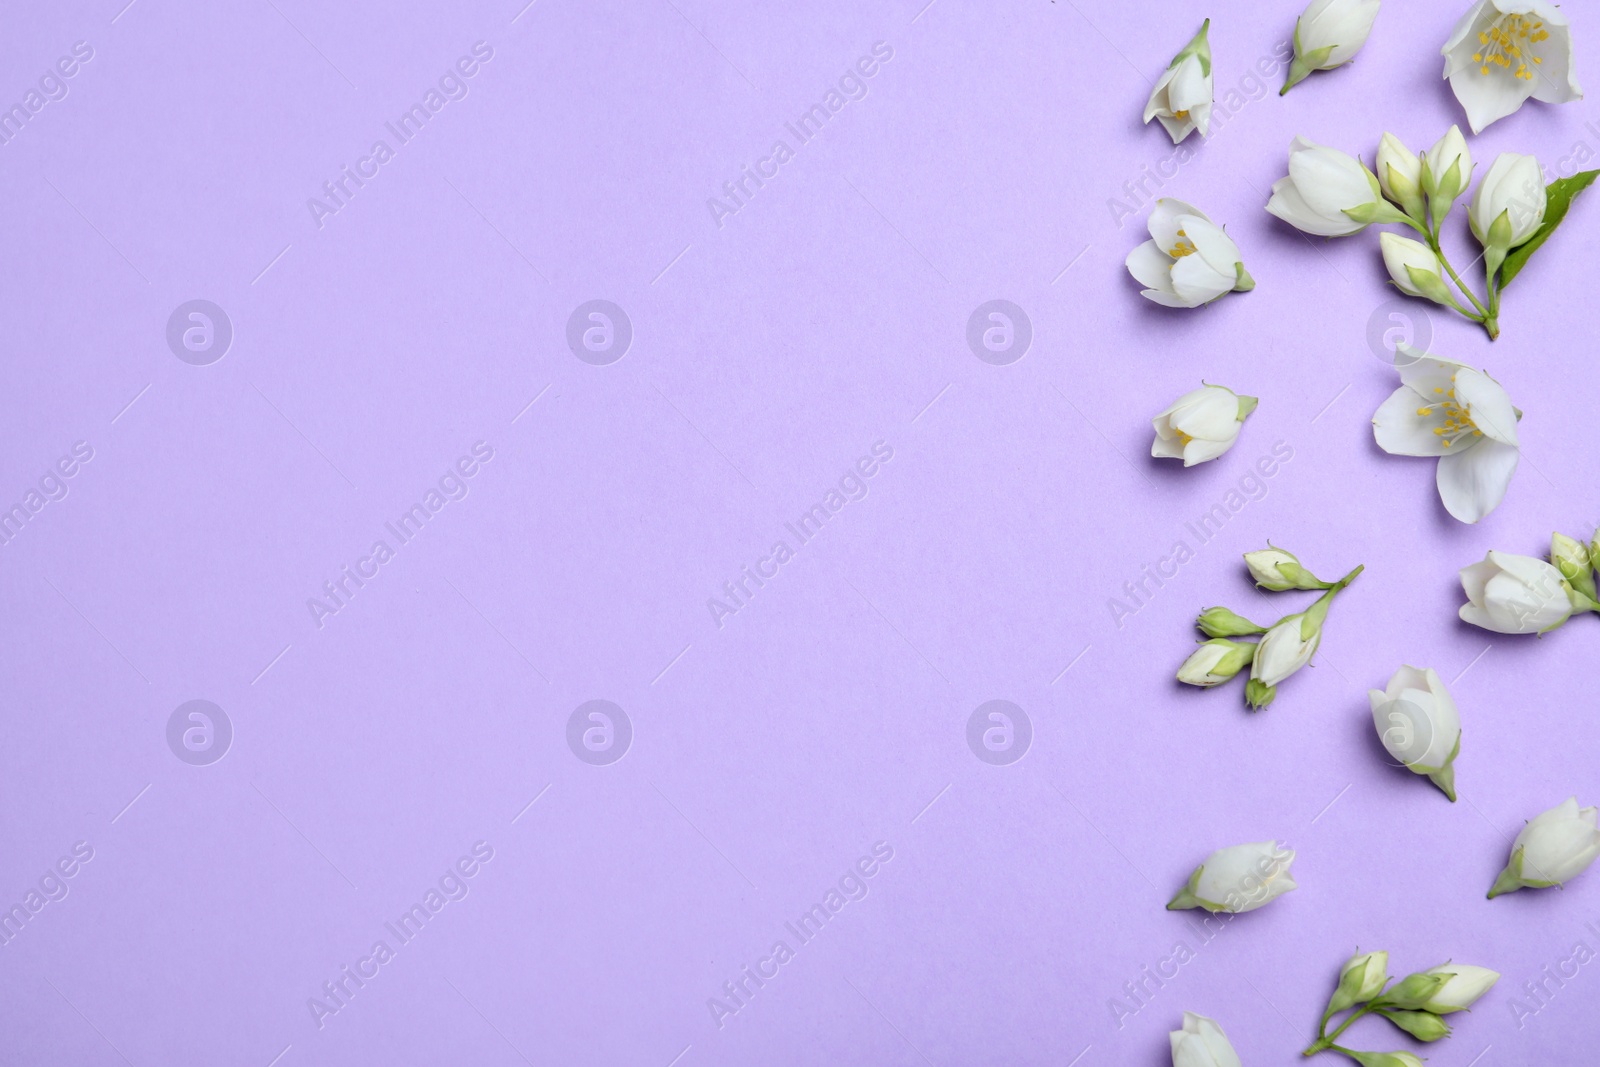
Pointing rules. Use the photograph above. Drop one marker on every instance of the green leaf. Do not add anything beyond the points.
(1559, 196)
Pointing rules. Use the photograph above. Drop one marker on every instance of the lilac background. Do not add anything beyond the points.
(769, 353)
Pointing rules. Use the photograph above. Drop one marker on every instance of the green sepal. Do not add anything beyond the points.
(1445, 777)
(1186, 897)
(1259, 694)
(1198, 47)
(1221, 622)
(1304, 65)
(1412, 992)
(1242, 282)
(1559, 196)
(1379, 210)
(1510, 879)
(1422, 1025)
(1247, 404)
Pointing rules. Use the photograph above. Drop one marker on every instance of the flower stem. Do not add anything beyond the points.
(1438, 250)
(1327, 1041)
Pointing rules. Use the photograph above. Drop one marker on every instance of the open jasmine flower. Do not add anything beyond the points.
(1463, 416)
(1183, 95)
(1504, 51)
(1189, 260)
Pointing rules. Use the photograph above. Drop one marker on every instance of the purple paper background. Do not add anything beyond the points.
(769, 353)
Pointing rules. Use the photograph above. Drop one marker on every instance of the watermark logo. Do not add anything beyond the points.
(199, 732)
(199, 333)
(1399, 322)
(999, 732)
(999, 332)
(1407, 731)
(599, 732)
(599, 332)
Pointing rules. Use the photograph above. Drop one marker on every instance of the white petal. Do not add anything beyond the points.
(1213, 414)
(1151, 267)
(1329, 180)
(1475, 576)
(1400, 431)
(1171, 300)
(1198, 281)
(1158, 103)
(1488, 98)
(1491, 409)
(1431, 377)
(1176, 128)
(1555, 82)
(1164, 224)
(1213, 244)
(1203, 451)
(1472, 483)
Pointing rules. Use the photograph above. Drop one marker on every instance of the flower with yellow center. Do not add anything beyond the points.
(1462, 416)
(1504, 51)
(1189, 259)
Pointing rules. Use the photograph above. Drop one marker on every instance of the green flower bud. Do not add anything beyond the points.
(1220, 622)
(1422, 1025)
(1573, 560)
(1361, 979)
(1414, 991)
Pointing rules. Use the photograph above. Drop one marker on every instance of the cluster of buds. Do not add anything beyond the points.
(1414, 1004)
(1281, 649)
(1334, 194)
(1512, 594)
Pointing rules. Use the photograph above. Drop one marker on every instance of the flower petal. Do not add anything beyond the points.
(1490, 408)
(1400, 431)
(1198, 282)
(1213, 244)
(1151, 267)
(1475, 576)
(1164, 224)
(1472, 483)
(1490, 97)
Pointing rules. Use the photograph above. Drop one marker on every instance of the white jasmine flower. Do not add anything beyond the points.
(1504, 51)
(1328, 34)
(1329, 193)
(1419, 725)
(1238, 879)
(1463, 416)
(1201, 1043)
(1556, 846)
(1512, 594)
(1463, 987)
(1189, 259)
(1510, 203)
(1182, 97)
(1201, 425)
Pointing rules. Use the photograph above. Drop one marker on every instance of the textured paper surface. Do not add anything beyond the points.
(770, 350)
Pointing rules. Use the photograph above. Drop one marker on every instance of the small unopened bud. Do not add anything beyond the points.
(1214, 662)
(1573, 560)
(1277, 570)
(1220, 622)
(1360, 979)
